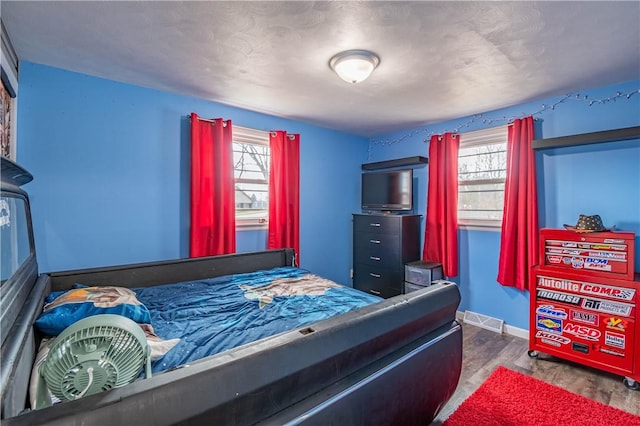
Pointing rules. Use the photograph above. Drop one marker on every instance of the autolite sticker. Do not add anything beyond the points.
(585, 317)
(609, 291)
(557, 284)
(614, 339)
(551, 311)
(614, 308)
(552, 337)
(582, 332)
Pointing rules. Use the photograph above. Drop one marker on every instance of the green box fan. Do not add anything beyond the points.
(94, 354)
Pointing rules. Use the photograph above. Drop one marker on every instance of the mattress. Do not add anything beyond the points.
(213, 315)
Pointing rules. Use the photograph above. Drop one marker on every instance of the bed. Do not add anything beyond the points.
(304, 350)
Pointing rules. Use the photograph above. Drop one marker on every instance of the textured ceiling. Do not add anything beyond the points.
(439, 60)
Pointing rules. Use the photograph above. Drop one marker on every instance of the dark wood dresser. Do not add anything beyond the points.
(382, 244)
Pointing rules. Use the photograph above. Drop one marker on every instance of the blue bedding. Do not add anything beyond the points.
(213, 315)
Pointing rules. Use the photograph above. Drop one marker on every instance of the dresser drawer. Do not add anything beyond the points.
(377, 224)
(383, 282)
(382, 249)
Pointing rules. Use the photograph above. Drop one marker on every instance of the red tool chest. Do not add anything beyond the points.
(584, 301)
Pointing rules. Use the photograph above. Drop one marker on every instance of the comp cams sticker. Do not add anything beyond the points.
(609, 291)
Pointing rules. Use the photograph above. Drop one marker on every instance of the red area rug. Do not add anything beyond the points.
(511, 398)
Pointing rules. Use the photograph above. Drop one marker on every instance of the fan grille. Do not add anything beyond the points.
(94, 358)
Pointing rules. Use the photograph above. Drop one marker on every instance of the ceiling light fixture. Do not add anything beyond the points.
(354, 66)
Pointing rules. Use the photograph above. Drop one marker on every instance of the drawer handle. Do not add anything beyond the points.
(377, 225)
(374, 241)
(377, 293)
(374, 258)
(374, 275)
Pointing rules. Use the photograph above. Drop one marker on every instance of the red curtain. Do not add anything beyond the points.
(441, 229)
(213, 219)
(284, 192)
(519, 240)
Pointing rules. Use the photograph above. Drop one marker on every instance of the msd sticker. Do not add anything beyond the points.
(554, 259)
(582, 331)
(614, 339)
(585, 317)
(609, 291)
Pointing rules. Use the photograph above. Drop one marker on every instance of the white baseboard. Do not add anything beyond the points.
(507, 329)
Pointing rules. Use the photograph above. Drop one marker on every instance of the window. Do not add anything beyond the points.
(482, 169)
(15, 245)
(251, 173)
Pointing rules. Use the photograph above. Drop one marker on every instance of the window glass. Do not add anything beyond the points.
(251, 173)
(15, 245)
(482, 169)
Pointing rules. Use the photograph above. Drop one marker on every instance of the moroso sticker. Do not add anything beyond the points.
(554, 259)
(559, 297)
(548, 324)
(609, 291)
(551, 311)
(585, 317)
(614, 339)
(558, 284)
(558, 339)
(582, 331)
(617, 324)
(597, 264)
(605, 306)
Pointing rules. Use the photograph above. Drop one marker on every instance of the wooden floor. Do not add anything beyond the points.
(484, 351)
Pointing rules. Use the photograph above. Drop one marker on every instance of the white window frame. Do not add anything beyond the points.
(246, 135)
(484, 137)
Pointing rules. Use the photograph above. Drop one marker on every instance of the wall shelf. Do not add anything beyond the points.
(416, 161)
(588, 138)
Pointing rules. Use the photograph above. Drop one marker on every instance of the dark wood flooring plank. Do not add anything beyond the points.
(485, 350)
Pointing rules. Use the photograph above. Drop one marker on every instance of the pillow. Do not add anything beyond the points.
(34, 382)
(79, 303)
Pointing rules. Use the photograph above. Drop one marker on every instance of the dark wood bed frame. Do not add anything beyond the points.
(395, 362)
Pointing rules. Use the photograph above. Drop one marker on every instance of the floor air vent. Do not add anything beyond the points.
(484, 321)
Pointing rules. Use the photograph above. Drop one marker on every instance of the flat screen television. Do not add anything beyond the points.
(387, 190)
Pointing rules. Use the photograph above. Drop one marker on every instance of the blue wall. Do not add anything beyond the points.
(599, 179)
(111, 164)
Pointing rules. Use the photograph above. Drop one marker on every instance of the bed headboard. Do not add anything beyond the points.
(166, 272)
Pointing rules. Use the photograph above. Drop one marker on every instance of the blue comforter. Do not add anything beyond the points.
(213, 315)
